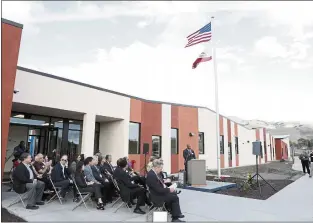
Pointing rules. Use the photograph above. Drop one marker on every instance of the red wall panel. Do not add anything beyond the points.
(230, 162)
(185, 119)
(278, 149)
(11, 38)
(151, 124)
(265, 145)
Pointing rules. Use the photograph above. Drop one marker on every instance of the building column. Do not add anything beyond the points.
(88, 134)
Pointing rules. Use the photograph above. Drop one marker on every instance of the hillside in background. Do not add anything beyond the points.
(296, 130)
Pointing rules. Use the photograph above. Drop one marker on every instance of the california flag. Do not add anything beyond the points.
(203, 57)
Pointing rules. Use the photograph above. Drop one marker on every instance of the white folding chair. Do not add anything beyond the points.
(84, 196)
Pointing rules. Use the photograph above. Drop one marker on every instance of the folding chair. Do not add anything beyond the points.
(84, 196)
(20, 198)
(124, 203)
(117, 188)
(57, 191)
(155, 207)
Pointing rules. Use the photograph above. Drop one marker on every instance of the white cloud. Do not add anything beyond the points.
(270, 47)
(142, 24)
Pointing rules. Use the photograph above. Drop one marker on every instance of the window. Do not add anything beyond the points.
(134, 138)
(74, 143)
(97, 137)
(221, 144)
(236, 145)
(156, 146)
(75, 125)
(230, 152)
(265, 149)
(174, 141)
(201, 143)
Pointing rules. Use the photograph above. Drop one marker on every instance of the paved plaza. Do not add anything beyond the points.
(293, 203)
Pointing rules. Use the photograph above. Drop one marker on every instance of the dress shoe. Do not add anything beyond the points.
(181, 216)
(40, 203)
(139, 211)
(177, 220)
(32, 207)
(129, 205)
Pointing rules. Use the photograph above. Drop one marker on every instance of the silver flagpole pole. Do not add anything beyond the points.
(218, 155)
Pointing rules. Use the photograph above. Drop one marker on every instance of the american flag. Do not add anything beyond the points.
(202, 35)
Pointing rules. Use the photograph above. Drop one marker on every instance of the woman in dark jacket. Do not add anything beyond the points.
(80, 158)
(85, 186)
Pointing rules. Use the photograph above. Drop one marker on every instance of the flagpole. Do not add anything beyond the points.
(216, 102)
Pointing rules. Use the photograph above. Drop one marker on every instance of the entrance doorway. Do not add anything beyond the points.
(43, 140)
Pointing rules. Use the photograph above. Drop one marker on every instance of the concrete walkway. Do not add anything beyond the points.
(293, 203)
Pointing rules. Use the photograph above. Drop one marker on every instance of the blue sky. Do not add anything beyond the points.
(264, 51)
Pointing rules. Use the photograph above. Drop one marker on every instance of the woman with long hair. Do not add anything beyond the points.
(80, 158)
(85, 186)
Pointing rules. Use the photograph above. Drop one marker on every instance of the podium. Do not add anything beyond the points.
(196, 172)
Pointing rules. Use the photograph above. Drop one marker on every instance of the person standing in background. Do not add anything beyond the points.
(19, 150)
(305, 161)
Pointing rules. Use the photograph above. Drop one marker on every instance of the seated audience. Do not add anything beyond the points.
(80, 158)
(106, 164)
(163, 176)
(161, 193)
(127, 187)
(134, 176)
(89, 162)
(60, 176)
(85, 186)
(103, 179)
(149, 165)
(24, 179)
(44, 169)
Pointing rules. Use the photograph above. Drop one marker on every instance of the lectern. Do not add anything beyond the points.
(196, 172)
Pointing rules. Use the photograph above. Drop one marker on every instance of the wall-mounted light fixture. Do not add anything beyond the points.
(191, 134)
(16, 91)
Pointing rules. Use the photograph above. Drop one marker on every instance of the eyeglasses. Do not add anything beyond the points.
(63, 160)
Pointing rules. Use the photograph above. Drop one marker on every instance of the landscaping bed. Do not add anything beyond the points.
(8, 217)
(277, 174)
(253, 191)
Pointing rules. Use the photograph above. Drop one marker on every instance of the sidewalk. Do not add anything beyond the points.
(293, 203)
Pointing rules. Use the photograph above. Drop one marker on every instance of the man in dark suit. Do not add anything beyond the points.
(60, 176)
(24, 179)
(160, 193)
(107, 165)
(127, 187)
(188, 155)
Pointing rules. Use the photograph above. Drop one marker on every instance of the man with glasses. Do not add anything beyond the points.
(61, 176)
